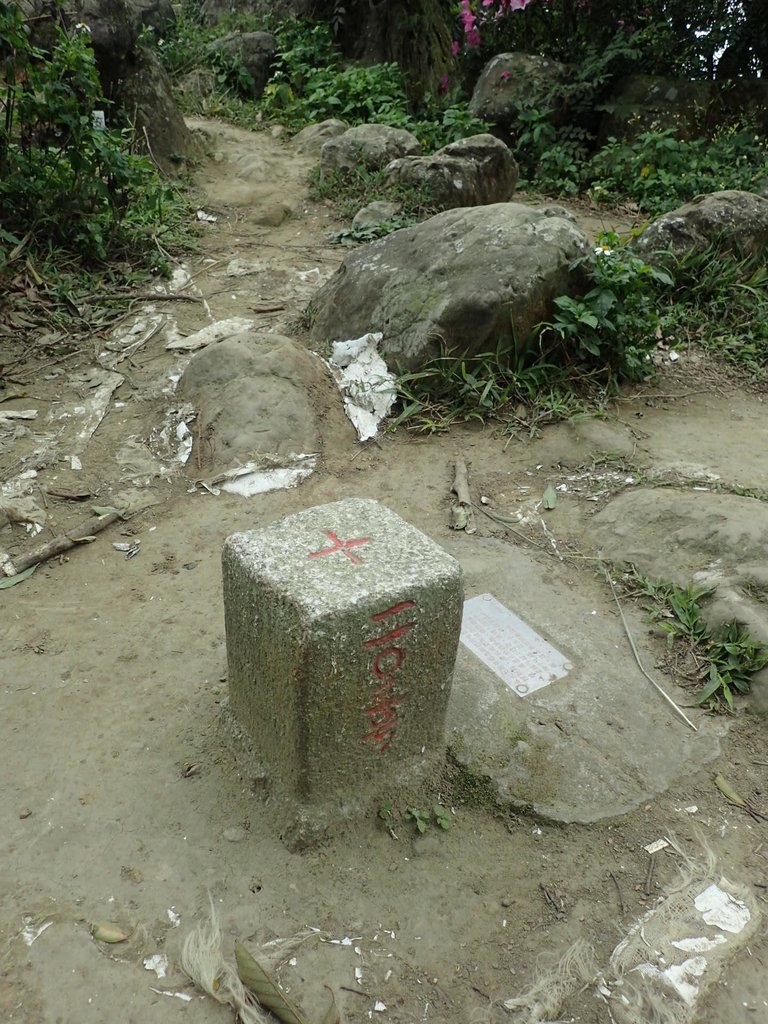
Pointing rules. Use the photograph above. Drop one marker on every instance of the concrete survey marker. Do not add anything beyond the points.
(510, 648)
(342, 628)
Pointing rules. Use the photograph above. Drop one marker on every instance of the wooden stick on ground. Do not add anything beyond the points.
(462, 516)
(65, 541)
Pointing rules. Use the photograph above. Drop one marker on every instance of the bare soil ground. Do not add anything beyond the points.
(122, 798)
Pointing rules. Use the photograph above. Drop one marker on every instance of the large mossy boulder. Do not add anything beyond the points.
(468, 280)
(737, 221)
(471, 172)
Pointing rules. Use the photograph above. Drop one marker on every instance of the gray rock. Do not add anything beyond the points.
(510, 81)
(310, 140)
(738, 220)
(114, 27)
(471, 172)
(196, 83)
(469, 278)
(156, 14)
(234, 834)
(130, 74)
(212, 11)
(255, 50)
(254, 392)
(145, 90)
(702, 532)
(374, 213)
(641, 103)
(719, 540)
(372, 145)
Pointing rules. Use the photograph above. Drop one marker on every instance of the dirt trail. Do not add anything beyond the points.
(122, 799)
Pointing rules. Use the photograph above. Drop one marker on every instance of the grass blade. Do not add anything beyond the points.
(265, 990)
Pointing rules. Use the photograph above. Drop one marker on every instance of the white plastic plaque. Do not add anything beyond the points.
(510, 648)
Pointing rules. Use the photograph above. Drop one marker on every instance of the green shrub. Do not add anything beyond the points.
(660, 171)
(614, 323)
(720, 302)
(64, 181)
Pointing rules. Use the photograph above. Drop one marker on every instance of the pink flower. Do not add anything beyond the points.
(467, 16)
(443, 84)
(504, 76)
(455, 48)
(500, 8)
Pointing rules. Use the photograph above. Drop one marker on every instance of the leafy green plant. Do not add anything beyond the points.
(730, 657)
(616, 320)
(442, 817)
(419, 817)
(659, 171)
(358, 234)
(679, 612)
(554, 137)
(423, 818)
(65, 181)
(492, 386)
(387, 814)
(720, 303)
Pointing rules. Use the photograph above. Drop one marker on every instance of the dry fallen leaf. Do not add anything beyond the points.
(110, 932)
(332, 1015)
(266, 991)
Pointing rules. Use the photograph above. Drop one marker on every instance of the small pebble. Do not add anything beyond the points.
(235, 834)
(508, 901)
(24, 813)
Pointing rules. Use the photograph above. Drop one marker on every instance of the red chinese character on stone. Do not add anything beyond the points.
(340, 545)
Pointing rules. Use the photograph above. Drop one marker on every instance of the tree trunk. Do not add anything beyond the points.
(415, 34)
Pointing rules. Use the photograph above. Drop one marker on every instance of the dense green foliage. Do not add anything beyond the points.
(685, 38)
(310, 82)
(659, 171)
(616, 321)
(607, 334)
(65, 181)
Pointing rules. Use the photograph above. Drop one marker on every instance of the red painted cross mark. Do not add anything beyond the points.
(340, 545)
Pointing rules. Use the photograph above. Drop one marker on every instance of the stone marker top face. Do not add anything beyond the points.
(333, 556)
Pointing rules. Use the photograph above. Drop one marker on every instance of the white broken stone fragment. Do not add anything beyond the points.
(208, 335)
(722, 910)
(158, 963)
(366, 384)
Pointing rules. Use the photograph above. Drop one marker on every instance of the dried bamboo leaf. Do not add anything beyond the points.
(332, 1015)
(19, 577)
(729, 792)
(264, 989)
(110, 932)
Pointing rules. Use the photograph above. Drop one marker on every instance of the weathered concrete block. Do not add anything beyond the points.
(342, 627)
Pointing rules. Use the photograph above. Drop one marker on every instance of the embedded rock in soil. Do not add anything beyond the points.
(701, 538)
(253, 394)
(369, 145)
